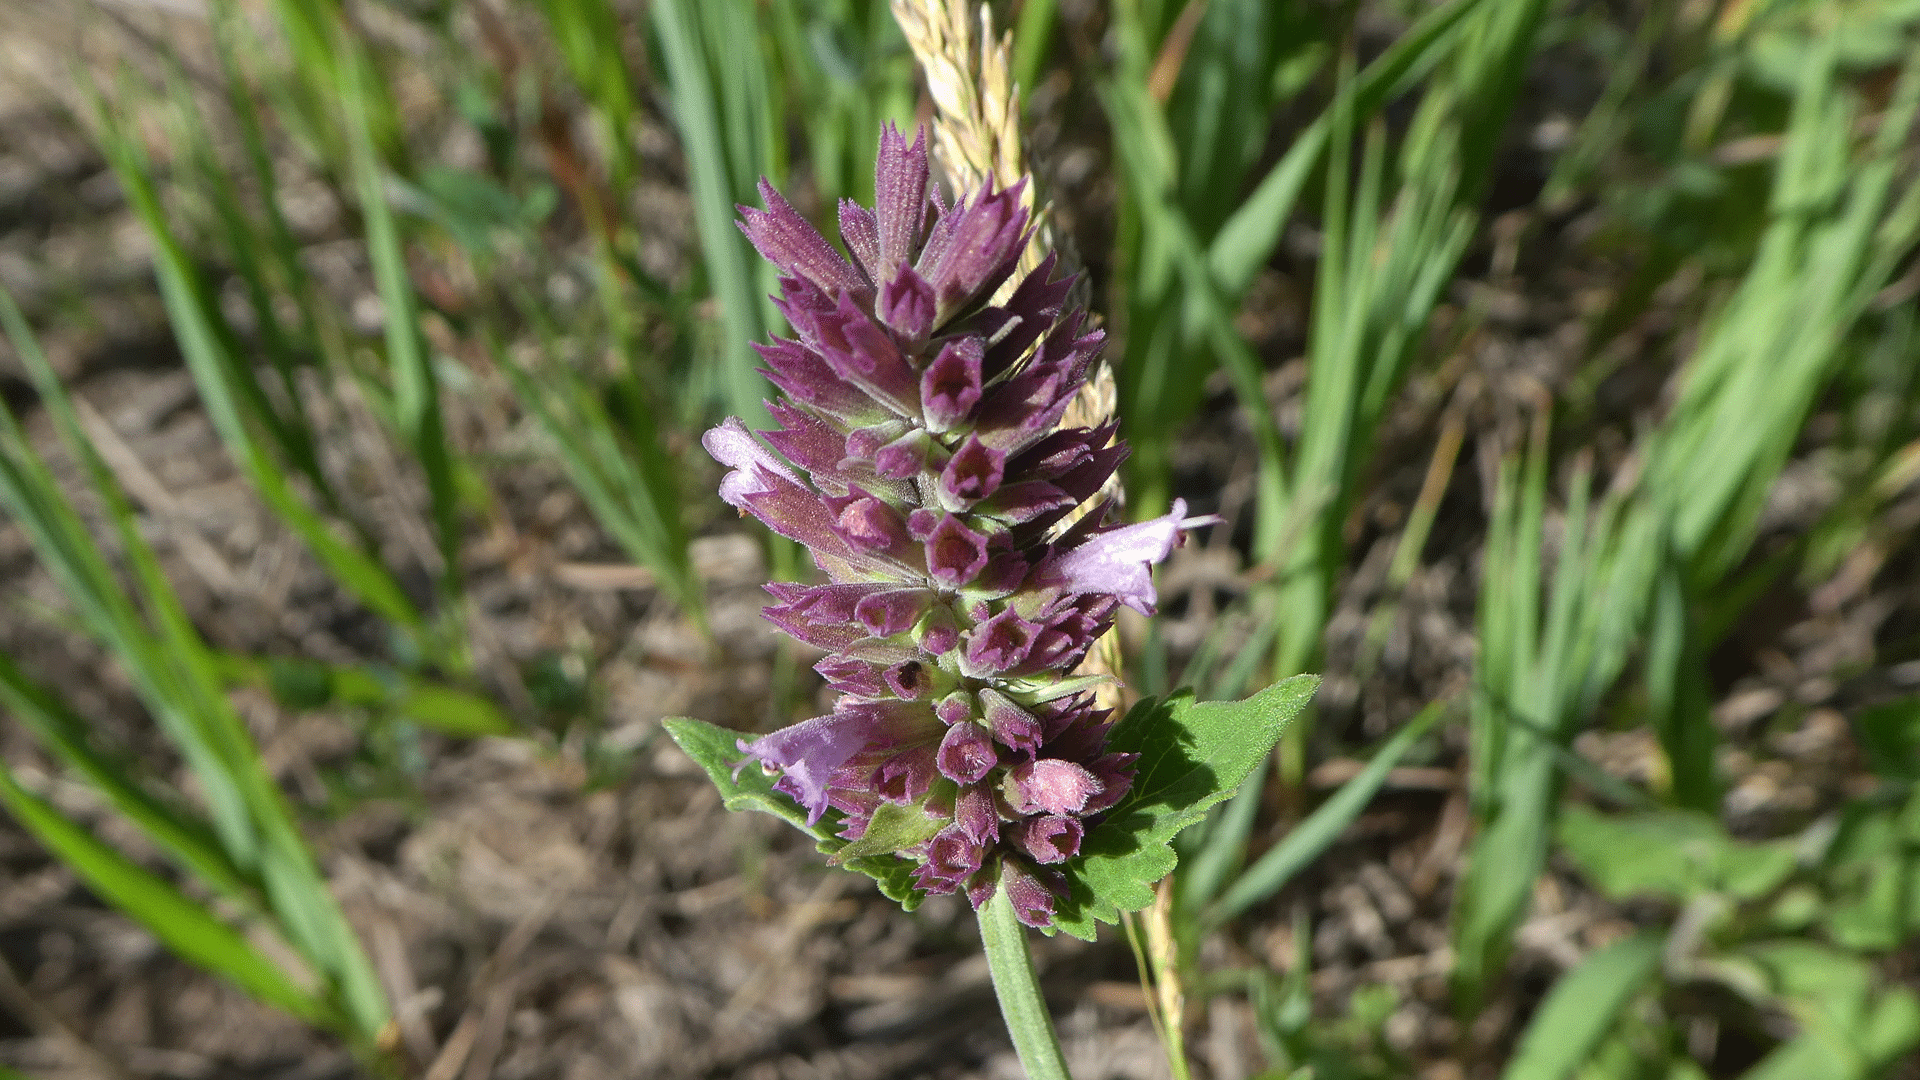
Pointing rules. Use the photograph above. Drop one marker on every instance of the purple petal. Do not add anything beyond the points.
(885, 614)
(997, 645)
(939, 634)
(905, 456)
(1012, 725)
(906, 306)
(806, 378)
(848, 675)
(1054, 838)
(955, 553)
(787, 240)
(755, 468)
(909, 680)
(952, 857)
(1118, 562)
(808, 752)
(820, 615)
(955, 708)
(974, 811)
(861, 353)
(1031, 894)
(1034, 306)
(907, 776)
(861, 234)
(1017, 504)
(868, 524)
(1115, 773)
(978, 251)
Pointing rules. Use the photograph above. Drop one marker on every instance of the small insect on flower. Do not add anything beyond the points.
(920, 459)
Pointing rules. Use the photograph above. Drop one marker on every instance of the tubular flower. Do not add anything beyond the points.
(921, 462)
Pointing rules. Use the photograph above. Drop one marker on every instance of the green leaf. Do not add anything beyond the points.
(1890, 734)
(1581, 1008)
(1672, 853)
(1192, 756)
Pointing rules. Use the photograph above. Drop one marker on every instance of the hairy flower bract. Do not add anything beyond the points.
(921, 461)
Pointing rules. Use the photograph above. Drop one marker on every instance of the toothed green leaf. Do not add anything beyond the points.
(1192, 755)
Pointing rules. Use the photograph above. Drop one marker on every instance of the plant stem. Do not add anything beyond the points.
(1018, 989)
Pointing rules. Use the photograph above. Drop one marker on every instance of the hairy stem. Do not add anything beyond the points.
(1018, 989)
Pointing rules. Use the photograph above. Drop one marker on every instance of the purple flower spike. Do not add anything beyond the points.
(920, 458)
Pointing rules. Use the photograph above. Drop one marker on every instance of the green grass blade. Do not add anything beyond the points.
(178, 830)
(730, 272)
(211, 353)
(1308, 840)
(1582, 1007)
(628, 482)
(416, 390)
(181, 924)
(1249, 236)
(177, 679)
(588, 34)
(1032, 38)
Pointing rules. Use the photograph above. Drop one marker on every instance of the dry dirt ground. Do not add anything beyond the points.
(576, 903)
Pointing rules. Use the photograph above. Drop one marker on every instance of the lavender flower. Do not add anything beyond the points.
(925, 420)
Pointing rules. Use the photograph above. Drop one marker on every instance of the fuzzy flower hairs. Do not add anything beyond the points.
(921, 462)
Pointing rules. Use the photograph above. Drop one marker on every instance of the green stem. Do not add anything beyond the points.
(1019, 990)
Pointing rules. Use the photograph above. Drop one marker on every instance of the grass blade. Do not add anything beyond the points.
(1308, 840)
(712, 177)
(627, 479)
(1581, 1009)
(176, 677)
(211, 351)
(177, 830)
(181, 924)
(416, 389)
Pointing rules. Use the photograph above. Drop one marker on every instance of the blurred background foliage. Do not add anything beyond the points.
(1591, 323)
